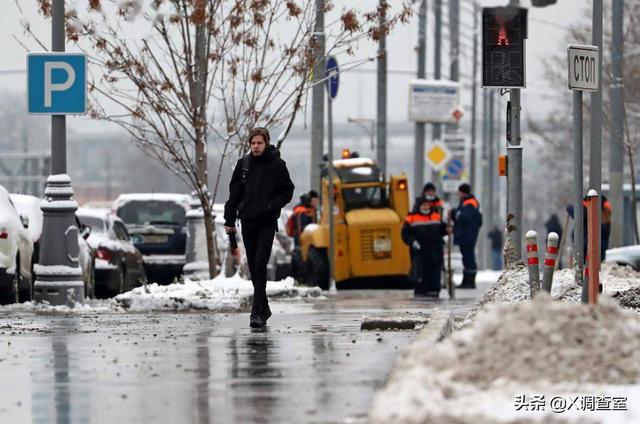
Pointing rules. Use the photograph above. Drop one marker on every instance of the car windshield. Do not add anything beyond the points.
(364, 197)
(159, 212)
(96, 224)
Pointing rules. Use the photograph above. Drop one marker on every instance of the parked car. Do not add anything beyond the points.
(28, 207)
(118, 265)
(626, 256)
(16, 253)
(157, 224)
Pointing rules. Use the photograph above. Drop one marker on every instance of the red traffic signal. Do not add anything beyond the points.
(504, 30)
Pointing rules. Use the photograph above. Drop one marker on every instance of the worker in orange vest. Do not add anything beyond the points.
(422, 231)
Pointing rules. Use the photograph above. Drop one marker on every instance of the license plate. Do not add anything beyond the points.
(155, 239)
(382, 245)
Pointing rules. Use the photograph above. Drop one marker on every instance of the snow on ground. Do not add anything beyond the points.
(233, 294)
(510, 346)
(543, 347)
(90, 306)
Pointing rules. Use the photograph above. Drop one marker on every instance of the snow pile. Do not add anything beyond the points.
(539, 347)
(513, 285)
(90, 306)
(233, 294)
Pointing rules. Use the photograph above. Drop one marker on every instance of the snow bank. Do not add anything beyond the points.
(533, 348)
(90, 306)
(232, 294)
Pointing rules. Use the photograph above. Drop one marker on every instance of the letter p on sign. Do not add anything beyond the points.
(57, 83)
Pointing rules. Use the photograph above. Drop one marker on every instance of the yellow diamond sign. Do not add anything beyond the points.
(438, 155)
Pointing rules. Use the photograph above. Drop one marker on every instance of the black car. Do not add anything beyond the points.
(117, 263)
(157, 224)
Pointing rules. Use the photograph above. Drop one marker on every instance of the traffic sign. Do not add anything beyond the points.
(455, 168)
(434, 101)
(333, 77)
(438, 155)
(57, 83)
(583, 63)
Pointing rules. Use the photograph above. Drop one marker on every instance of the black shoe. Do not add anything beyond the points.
(433, 294)
(468, 280)
(266, 314)
(256, 321)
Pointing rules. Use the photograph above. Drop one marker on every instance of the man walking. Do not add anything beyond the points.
(260, 186)
(467, 222)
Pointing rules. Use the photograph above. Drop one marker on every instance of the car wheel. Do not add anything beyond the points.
(15, 282)
(123, 286)
(298, 267)
(318, 268)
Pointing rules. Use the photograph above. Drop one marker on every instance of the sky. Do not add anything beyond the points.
(357, 93)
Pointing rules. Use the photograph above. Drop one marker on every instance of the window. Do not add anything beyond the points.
(96, 224)
(364, 197)
(158, 212)
(121, 231)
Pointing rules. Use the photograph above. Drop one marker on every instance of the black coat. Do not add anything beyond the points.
(427, 230)
(266, 190)
(468, 220)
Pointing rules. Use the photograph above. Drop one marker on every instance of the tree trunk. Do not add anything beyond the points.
(209, 227)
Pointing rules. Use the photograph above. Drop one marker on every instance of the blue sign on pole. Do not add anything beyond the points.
(57, 83)
(333, 76)
(455, 168)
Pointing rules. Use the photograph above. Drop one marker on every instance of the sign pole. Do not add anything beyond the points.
(332, 226)
(333, 79)
(578, 231)
(59, 243)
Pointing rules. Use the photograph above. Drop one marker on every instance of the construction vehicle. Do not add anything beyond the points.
(369, 213)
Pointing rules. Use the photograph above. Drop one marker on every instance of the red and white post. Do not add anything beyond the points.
(532, 262)
(550, 258)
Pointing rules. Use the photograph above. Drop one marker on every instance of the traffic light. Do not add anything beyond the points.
(504, 30)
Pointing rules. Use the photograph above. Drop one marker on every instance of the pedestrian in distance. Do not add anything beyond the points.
(303, 215)
(429, 192)
(260, 187)
(467, 221)
(423, 232)
(495, 235)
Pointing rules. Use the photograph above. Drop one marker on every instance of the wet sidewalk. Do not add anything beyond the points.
(312, 365)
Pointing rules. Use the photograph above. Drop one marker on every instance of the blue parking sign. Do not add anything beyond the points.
(57, 83)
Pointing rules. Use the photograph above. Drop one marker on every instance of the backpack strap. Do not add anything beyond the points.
(245, 168)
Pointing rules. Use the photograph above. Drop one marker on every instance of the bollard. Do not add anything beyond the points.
(593, 247)
(550, 257)
(532, 261)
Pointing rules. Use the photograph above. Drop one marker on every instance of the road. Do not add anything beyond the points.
(312, 364)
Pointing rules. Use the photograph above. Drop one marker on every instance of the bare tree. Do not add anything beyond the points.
(204, 72)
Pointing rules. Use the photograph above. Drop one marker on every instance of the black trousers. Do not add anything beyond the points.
(469, 258)
(258, 241)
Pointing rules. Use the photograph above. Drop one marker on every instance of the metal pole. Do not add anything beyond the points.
(454, 37)
(381, 152)
(59, 241)
(491, 172)
(317, 99)
(578, 216)
(332, 228)
(418, 160)
(514, 174)
(514, 169)
(474, 95)
(437, 128)
(616, 158)
(595, 147)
